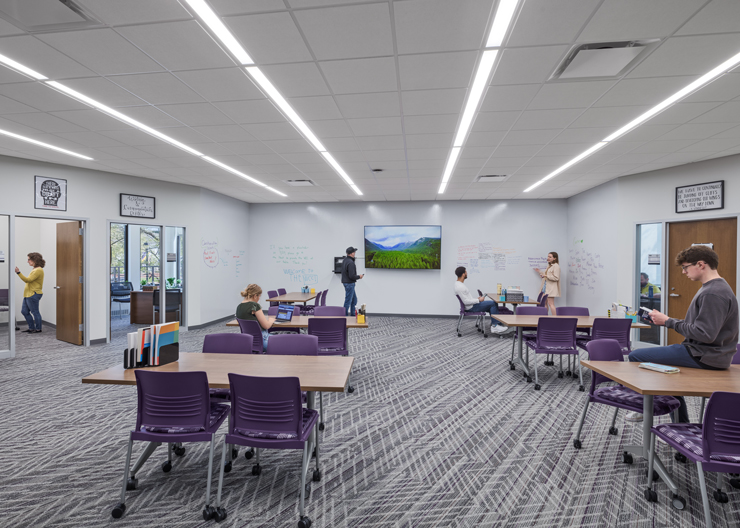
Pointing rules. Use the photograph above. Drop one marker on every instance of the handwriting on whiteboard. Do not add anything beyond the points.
(584, 267)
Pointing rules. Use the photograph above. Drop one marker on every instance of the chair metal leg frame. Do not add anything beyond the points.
(520, 360)
(613, 429)
(560, 372)
(701, 412)
(220, 513)
(209, 511)
(577, 441)
(129, 477)
(459, 322)
(580, 372)
(321, 411)
(536, 377)
(704, 497)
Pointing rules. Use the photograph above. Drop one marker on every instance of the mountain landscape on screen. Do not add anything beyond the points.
(403, 247)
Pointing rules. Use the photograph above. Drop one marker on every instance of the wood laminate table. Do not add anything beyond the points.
(688, 382)
(522, 321)
(294, 297)
(301, 321)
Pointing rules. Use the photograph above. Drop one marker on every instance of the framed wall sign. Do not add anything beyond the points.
(50, 193)
(137, 206)
(700, 197)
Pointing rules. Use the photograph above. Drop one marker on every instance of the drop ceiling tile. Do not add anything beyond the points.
(10, 76)
(635, 19)
(648, 91)
(91, 139)
(485, 139)
(369, 105)
(527, 65)
(121, 164)
(131, 137)
(608, 116)
(429, 140)
(254, 111)
(543, 22)
(509, 97)
(347, 32)
(723, 89)
(306, 159)
(633, 158)
(115, 12)
(244, 148)
(289, 145)
(269, 38)
(42, 58)
(225, 133)
(361, 75)
(649, 132)
(378, 157)
(11, 106)
(317, 107)
(564, 149)
(495, 121)
(476, 152)
(547, 119)
(718, 16)
(529, 137)
(178, 45)
(510, 151)
(340, 144)
(36, 96)
(726, 113)
(569, 94)
(238, 7)
(267, 131)
(164, 150)
(422, 72)
(331, 128)
(583, 135)
(433, 167)
(212, 149)
(380, 142)
(695, 131)
(94, 48)
(681, 157)
(733, 132)
(713, 145)
(376, 126)
(197, 114)
(349, 156)
(42, 122)
(424, 26)
(127, 152)
(151, 116)
(105, 91)
(688, 55)
(428, 102)
(680, 113)
(156, 163)
(223, 84)
(185, 135)
(296, 80)
(158, 88)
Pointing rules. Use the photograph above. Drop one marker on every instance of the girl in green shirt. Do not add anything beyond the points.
(32, 293)
(250, 310)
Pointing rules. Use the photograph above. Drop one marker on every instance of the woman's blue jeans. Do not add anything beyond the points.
(30, 311)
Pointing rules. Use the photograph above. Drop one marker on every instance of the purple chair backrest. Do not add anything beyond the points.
(556, 332)
(572, 310)
(172, 399)
(228, 344)
(531, 310)
(254, 329)
(736, 357)
(539, 297)
(293, 345)
(270, 295)
(273, 310)
(329, 311)
(722, 425)
(602, 350)
(270, 405)
(543, 300)
(332, 333)
(462, 305)
(282, 291)
(323, 297)
(611, 328)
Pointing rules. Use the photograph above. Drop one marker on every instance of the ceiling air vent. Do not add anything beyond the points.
(602, 60)
(299, 183)
(38, 16)
(491, 178)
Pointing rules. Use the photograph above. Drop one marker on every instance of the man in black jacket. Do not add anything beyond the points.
(349, 277)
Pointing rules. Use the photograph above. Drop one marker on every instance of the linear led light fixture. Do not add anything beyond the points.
(682, 93)
(454, 153)
(501, 22)
(476, 92)
(10, 63)
(212, 20)
(42, 144)
(232, 170)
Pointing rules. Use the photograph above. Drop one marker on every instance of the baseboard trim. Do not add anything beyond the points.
(215, 321)
(100, 341)
(43, 324)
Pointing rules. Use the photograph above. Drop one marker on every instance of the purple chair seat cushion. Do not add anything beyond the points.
(531, 342)
(662, 405)
(582, 342)
(218, 411)
(308, 414)
(689, 436)
(222, 394)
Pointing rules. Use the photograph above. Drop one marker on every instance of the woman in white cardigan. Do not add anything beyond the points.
(551, 280)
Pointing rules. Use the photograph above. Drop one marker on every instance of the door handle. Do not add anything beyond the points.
(57, 287)
(674, 295)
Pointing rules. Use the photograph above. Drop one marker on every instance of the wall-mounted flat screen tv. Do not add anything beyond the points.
(403, 247)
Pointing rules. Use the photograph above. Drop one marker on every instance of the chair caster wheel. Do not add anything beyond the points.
(117, 512)
(220, 514)
(459, 334)
(321, 426)
(613, 431)
(166, 467)
(305, 522)
(651, 495)
(735, 483)
(581, 388)
(208, 513)
(227, 467)
(627, 458)
(249, 454)
(656, 477)
(234, 453)
(680, 457)
(537, 386)
(560, 374)
(512, 366)
(678, 502)
(529, 379)
(577, 444)
(568, 373)
(721, 497)
(350, 389)
(485, 334)
(316, 475)
(256, 470)
(179, 451)
(131, 483)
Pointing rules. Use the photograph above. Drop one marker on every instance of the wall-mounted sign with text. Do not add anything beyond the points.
(137, 206)
(50, 193)
(700, 197)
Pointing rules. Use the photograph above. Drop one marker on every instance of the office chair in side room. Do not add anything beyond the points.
(120, 292)
(173, 303)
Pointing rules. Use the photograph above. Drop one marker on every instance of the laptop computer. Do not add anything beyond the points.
(285, 313)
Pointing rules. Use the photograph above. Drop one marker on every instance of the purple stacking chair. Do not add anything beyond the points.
(267, 414)
(294, 345)
(254, 329)
(173, 407)
(714, 446)
(581, 333)
(282, 291)
(610, 328)
(323, 298)
(735, 361)
(528, 332)
(539, 297)
(309, 308)
(271, 294)
(273, 310)
(617, 396)
(556, 336)
(479, 318)
(542, 300)
(226, 344)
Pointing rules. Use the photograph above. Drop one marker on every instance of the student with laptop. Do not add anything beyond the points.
(250, 310)
(477, 304)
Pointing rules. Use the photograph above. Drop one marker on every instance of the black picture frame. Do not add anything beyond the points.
(722, 201)
(120, 206)
(64, 192)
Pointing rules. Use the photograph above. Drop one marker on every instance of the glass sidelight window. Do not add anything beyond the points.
(648, 280)
(5, 283)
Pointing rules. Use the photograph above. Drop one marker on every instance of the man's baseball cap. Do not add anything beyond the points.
(351, 250)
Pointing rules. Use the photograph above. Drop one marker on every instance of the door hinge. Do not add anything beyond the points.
(81, 279)
(81, 231)
(82, 327)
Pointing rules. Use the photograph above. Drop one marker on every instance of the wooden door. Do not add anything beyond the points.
(69, 284)
(680, 290)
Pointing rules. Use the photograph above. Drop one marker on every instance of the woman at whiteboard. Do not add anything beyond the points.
(251, 310)
(551, 280)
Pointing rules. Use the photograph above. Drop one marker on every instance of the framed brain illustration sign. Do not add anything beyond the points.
(50, 193)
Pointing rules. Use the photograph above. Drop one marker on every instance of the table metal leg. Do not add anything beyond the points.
(519, 360)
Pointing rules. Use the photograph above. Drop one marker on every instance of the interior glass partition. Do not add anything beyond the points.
(649, 276)
(174, 277)
(5, 327)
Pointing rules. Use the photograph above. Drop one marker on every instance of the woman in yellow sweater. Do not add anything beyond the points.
(32, 293)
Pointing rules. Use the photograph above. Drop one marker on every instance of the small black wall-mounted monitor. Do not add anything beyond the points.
(338, 264)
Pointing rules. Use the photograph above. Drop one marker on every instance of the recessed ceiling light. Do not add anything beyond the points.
(476, 92)
(17, 66)
(42, 144)
(212, 20)
(501, 22)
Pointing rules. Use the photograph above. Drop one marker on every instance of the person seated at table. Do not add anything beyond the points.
(477, 304)
(250, 310)
(645, 286)
(710, 328)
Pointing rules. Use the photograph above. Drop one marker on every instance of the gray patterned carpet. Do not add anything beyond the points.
(438, 433)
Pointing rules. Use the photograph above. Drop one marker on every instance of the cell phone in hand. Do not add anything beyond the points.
(645, 314)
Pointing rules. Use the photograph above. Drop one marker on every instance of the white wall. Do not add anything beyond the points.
(294, 244)
(94, 195)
